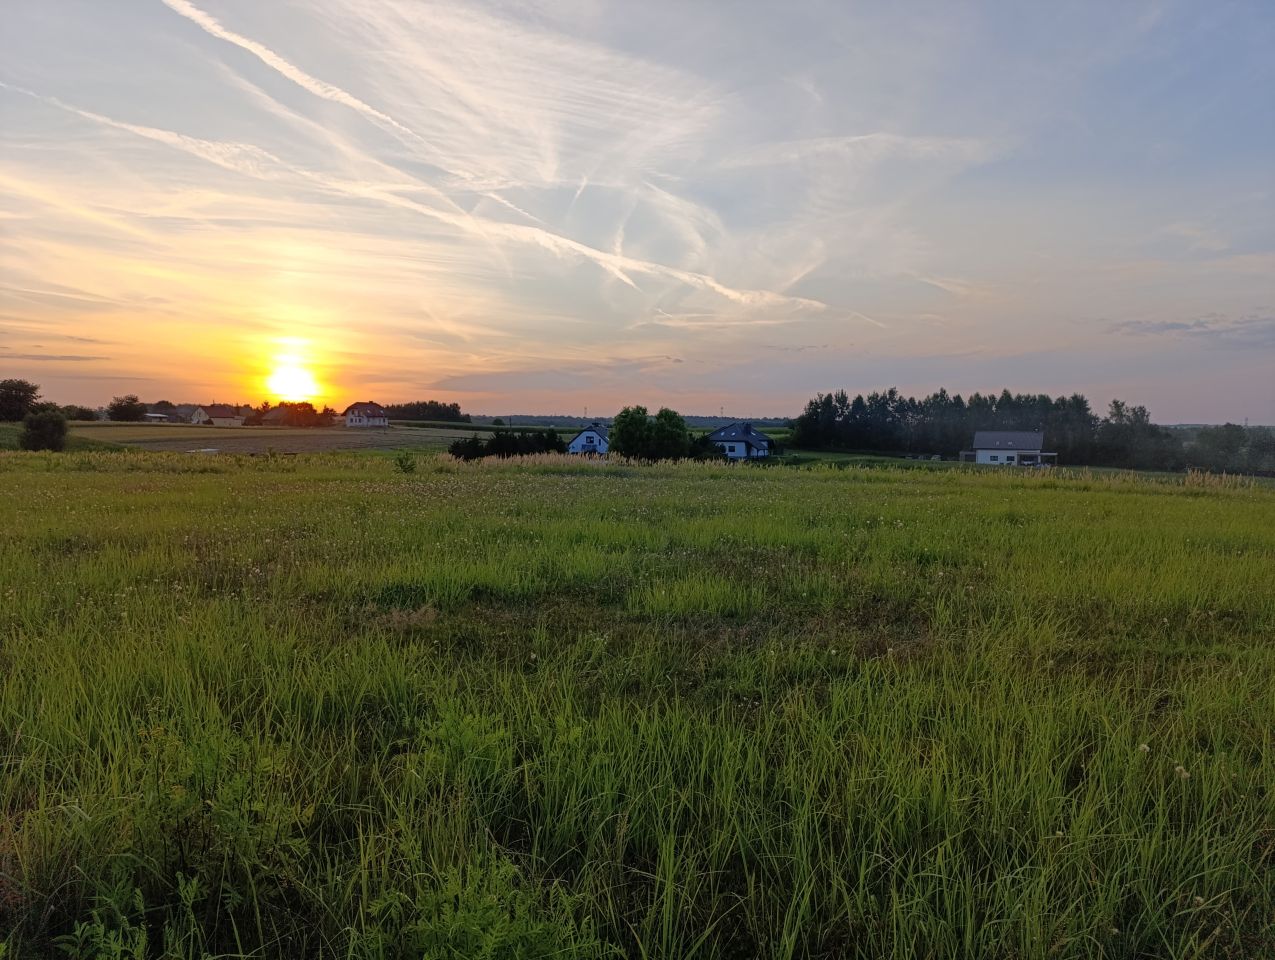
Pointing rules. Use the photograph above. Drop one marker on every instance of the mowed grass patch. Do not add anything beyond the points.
(313, 706)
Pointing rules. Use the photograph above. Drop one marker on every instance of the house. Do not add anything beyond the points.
(1015, 448)
(218, 414)
(157, 418)
(740, 441)
(592, 439)
(365, 413)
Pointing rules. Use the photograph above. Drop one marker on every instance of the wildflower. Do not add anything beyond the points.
(1143, 748)
(1198, 901)
(1182, 773)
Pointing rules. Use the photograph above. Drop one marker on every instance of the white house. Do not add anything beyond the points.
(740, 441)
(365, 413)
(1013, 448)
(592, 439)
(218, 414)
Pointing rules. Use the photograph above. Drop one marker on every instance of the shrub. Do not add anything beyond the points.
(45, 430)
(406, 462)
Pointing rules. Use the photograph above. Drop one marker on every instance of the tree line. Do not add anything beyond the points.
(943, 423)
(508, 443)
(426, 410)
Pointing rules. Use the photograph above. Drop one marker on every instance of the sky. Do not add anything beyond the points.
(558, 205)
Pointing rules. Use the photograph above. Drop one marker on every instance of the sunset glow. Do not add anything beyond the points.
(290, 375)
(526, 207)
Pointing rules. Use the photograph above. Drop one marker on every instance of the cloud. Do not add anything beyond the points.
(1197, 237)
(1250, 331)
(59, 357)
(312, 84)
(252, 161)
(866, 149)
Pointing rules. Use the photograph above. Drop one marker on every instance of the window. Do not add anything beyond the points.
(730, 448)
(996, 458)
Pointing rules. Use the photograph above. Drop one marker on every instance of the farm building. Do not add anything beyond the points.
(592, 439)
(365, 413)
(218, 414)
(740, 441)
(1020, 448)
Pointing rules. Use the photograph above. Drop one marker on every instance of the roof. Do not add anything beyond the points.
(219, 410)
(273, 414)
(741, 432)
(365, 408)
(598, 428)
(1008, 440)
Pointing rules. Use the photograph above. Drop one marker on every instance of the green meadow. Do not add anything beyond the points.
(319, 706)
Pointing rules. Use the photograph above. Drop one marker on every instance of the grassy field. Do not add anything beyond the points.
(187, 438)
(317, 707)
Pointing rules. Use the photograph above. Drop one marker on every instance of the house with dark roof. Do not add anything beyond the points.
(366, 413)
(1009, 448)
(592, 439)
(741, 441)
(218, 414)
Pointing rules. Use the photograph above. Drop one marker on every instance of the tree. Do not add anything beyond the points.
(507, 443)
(76, 412)
(630, 433)
(17, 397)
(637, 434)
(670, 440)
(427, 410)
(127, 409)
(45, 430)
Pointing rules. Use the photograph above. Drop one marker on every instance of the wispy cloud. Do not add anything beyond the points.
(50, 357)
(1249, 331)
(562, 192)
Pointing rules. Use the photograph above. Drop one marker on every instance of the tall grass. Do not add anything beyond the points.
(318, 707)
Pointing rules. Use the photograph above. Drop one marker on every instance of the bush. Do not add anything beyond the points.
(406, 462)
(45, 430)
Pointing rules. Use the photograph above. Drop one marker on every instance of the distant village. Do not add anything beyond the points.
(739, 440)
(1000, 430)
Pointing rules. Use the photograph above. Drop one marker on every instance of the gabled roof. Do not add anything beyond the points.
(598, 428)
(740, 432)
(274, 414)
(1008, 440)
(219, 410)
(365, 408)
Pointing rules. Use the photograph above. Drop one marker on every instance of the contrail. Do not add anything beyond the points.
(320, 88)
(252, 161)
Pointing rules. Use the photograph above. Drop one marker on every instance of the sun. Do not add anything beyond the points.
(292, 382)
